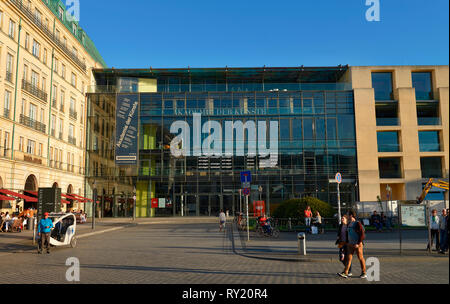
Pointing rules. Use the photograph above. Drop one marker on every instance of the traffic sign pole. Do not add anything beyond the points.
(248, 220)
(339, 181)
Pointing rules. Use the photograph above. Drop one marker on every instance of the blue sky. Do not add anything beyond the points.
(244, 33)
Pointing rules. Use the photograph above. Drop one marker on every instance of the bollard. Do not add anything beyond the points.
(301, 242)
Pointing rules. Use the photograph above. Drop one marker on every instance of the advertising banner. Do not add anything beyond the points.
(155, 203)
(259, 208)
(127, 111)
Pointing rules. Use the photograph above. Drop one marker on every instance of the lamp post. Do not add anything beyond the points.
(94, 197)
(134, 203)
(389, 194)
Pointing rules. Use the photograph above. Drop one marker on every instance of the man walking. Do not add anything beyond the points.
(44, 228)
(356, 236)
(443, 231)
(434, 223)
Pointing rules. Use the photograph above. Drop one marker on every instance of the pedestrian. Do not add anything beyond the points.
(44, 228)
(222, 220)
(356, 237)
(434, 225)
(443, 231)
(342, 242)
(308, 216)
(317, 221)
(376, 221)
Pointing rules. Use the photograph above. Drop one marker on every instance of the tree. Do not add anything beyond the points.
(294, 208)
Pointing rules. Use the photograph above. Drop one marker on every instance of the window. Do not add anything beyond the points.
(12, 29)
(429, 141)
(74, 29)
(57, 34)
(44, 84)
(428, 114)
(22, 109)
(27, 41)
(423, 84)
(34, 79)
(55, 93)
(387, 114)
(8, 101)
(388, 142)
(382, 83)
(61, 13)
(38, 16)
(53, 124)
(63, 71)
(74, 80)
(65, 41)
(31, 147)
(33, 112)
(390, 167)
(41, 150)
(45, 56)
(1, 20)
(9, 63)
(36, 49)
(6, 143)
(72, 105)
(42, 115)
(431, 167)
(25, 72)
(61, 127)
(21, 143)
(61, 105)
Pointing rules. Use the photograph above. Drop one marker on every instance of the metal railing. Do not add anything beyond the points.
(9, 76)
(29, 122)
(27, 12)
(72, 140)
(73, 114)
(34, 90)
(6, 113)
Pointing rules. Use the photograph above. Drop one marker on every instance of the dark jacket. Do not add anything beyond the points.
(339, 239)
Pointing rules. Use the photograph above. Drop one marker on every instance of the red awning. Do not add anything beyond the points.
(80, 198)
(63, 201)
(18, 195)
(70, 196)
(6, 198)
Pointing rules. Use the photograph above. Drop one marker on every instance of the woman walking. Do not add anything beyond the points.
(342, 242)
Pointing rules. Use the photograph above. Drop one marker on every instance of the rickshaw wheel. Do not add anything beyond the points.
(73, 242)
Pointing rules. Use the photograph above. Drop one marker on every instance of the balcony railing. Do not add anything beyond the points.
(32, 123)
(6, 113)
(34, 90)
(73, 114)
(9, 76)
(27, 12)
(72, 140)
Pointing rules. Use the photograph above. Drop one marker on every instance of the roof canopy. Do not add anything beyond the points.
(263, 74)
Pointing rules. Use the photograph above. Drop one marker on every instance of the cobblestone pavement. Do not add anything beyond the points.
(193, 253)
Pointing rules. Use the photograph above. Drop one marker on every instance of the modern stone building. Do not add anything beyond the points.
(46, 63)
(385, 128)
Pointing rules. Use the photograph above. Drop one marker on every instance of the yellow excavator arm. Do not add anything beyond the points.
(431, 183)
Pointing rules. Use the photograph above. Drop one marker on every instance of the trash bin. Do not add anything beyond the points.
(301, 242)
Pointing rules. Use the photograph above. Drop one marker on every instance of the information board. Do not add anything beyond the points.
(413, 216)
(49, 200)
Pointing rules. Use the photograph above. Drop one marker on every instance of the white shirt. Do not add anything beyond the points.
(222, 217)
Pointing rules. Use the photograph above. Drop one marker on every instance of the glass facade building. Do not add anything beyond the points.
(313, 112)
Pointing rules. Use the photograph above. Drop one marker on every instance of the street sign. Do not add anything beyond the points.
(339, 178)
(246, 177)
(246, 191)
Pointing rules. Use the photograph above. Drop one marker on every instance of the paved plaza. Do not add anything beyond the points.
(195, 252)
